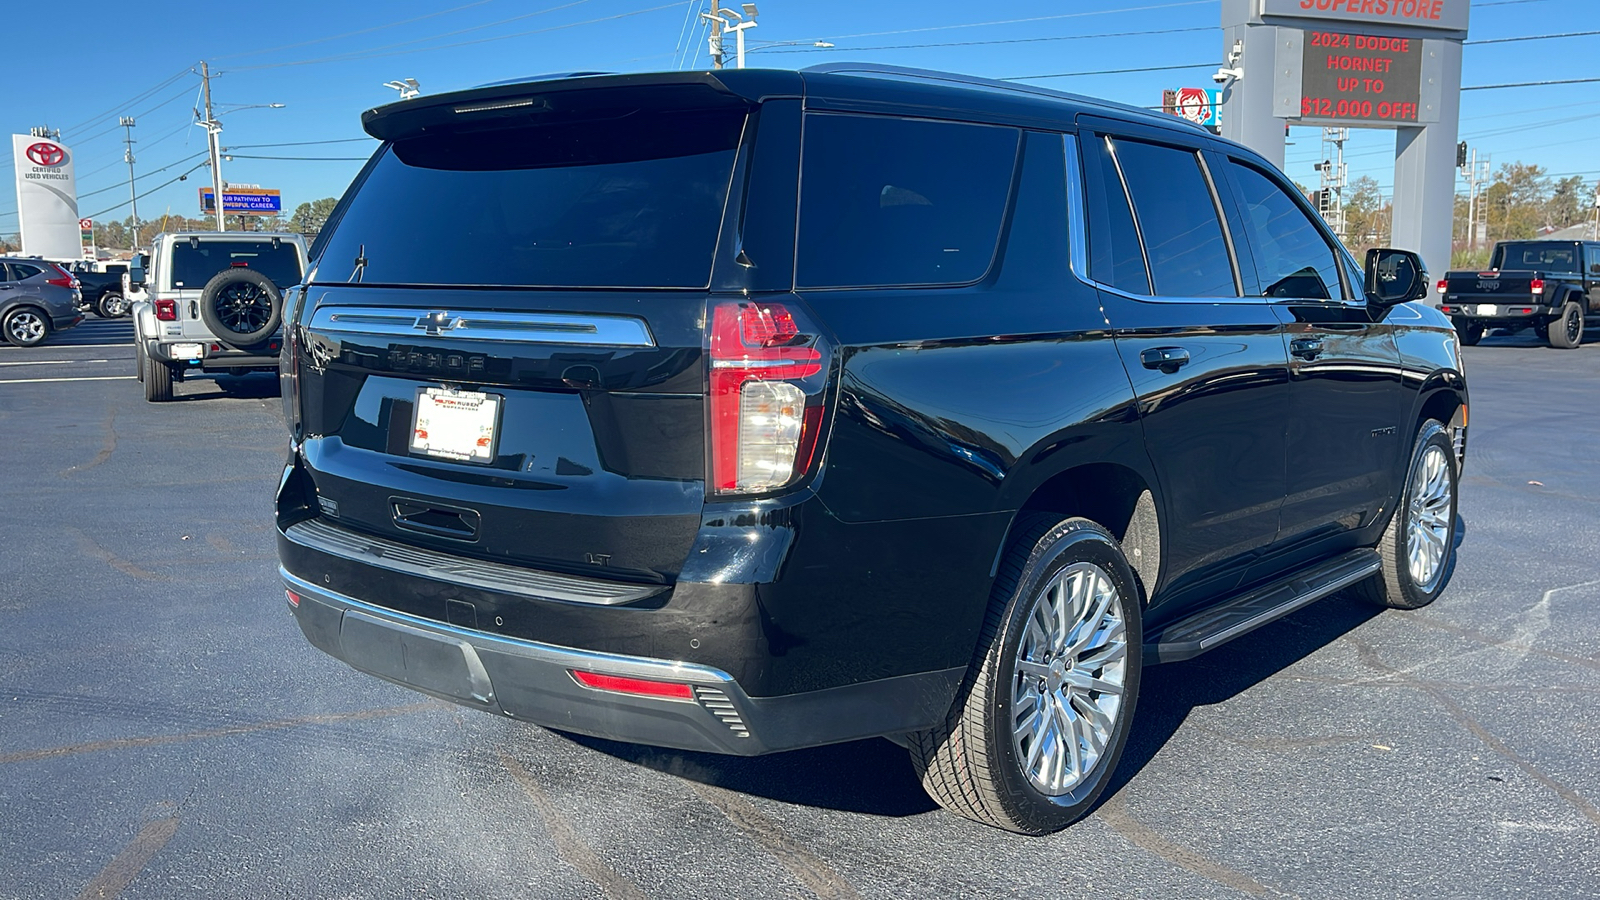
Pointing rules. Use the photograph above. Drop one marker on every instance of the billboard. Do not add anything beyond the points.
(243, 201)
(47, 198)
(1360, 78)
(1434, 15)
(1202, 106)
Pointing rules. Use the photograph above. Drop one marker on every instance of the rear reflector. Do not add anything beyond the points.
(640, 687)
(294, 599)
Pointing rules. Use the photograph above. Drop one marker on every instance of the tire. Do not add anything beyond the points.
(157, 381)
(111, 305)
(978, 763)
(1566, 332)
(138, 359)
(25, 326)
(1470, 333)
(1422, 518)
(242, 307)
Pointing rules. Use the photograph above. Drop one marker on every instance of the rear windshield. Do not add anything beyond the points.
(1549, 256)
(195, 264)
(633, 200)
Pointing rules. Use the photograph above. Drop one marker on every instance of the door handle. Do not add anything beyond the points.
(1167, 359)
(1306, 348)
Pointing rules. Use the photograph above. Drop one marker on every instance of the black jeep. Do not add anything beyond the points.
(1549, 286)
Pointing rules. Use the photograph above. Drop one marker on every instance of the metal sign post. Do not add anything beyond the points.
(1356, 63)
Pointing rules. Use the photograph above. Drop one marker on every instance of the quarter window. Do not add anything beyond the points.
(890, 202)
(1115, 257)
(1291, 256)
(20, 272)
(1178, 220)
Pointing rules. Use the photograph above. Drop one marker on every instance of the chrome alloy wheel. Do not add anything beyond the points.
(1070, 672)
(116, 306)
(1428, 525)
(26, 327)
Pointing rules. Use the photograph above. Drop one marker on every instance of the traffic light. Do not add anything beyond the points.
(1461, 155)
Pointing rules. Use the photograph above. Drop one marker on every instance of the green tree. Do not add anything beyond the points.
(1367, 216)
(1569, 202)
(309, 218)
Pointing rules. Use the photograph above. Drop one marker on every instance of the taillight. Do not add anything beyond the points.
(1440, 286)
(766, 396)
(1536, 285)
(167, 310)
(289, 378)
(63, 278)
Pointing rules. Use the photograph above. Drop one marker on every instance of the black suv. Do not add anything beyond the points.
(753, 410)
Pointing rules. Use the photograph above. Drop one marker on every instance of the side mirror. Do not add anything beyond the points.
(1394, 277)
(136, 273)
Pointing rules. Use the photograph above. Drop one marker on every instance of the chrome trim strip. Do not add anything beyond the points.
(1077, 219)
(565, 657)
(529, 327)
(316, 534)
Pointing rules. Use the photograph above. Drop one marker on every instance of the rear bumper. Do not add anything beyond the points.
(535, 682)
(1503, 312)
(62, 323)
(216, 357)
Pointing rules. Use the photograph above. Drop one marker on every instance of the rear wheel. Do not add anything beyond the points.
(1418, 547)
(1566, 331)
(25, 327)
(157, 381)
(1470, 332)
(1042, 717)
(111, 305)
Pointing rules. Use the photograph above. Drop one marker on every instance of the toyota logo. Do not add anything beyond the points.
(47, 154)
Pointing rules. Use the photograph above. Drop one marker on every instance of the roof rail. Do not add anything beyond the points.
(913, 74)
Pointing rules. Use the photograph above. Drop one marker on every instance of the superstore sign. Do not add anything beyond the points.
(1361, 78)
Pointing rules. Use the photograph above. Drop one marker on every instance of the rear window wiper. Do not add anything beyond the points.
(361, 265)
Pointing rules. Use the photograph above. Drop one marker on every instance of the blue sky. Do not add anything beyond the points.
(327, 61)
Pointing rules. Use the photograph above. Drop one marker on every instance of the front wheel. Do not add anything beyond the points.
(1043, 715)
(1566, 332)
(1418, 547)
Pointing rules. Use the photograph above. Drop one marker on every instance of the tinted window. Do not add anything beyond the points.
(1548, 256)
(633, 199)
(897, 202)
(1177, 219)
(22, 272)
(1115, 257)
(1292, 259)
(1593, 254)
(194, 264)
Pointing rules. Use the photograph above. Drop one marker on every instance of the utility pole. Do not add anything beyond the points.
(213, 133)
(1334, 177)
(1477, 173)
(715, 40)
(133, 196)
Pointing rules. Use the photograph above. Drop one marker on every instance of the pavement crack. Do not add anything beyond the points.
(107, 447)
(569, 843)
(1116, 815)
(1370, 656)
(88, 547)
(809, 869)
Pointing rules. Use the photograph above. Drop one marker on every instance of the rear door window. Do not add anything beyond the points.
(195, 263)
(1292, 257)
(1115, 257)
(632, 199)
(1177, 217)
(888, 202)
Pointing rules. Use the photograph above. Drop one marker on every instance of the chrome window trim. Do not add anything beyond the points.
(528, 327)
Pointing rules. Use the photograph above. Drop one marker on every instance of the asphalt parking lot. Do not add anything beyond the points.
(165, 731)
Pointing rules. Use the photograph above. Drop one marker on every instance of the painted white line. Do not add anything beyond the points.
(43, 380)
(63, 362)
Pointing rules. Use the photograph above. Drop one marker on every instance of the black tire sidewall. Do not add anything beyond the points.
(222, 280)
(1069, 542)
(1413, 597)
(1556, 332)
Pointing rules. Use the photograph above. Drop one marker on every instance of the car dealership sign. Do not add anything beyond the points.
(47, 198)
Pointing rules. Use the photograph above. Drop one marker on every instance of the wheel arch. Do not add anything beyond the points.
(1115, 496)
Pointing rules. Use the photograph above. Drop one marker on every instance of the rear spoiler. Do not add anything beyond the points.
(499, 105)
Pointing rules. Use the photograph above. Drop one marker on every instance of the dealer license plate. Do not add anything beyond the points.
(459, 425)
(1488, 309)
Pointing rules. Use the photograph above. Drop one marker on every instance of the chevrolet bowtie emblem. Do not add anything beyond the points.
(437, 322)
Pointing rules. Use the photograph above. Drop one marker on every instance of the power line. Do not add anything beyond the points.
(131, 100)
(1531, 37)
(317, 158)
(1521, 84)
(145, 194)
(1069, 37)
(145, 175)
(1209, 65)
(336, 37)
(141, 114)
(301, 143)
(1071, 15)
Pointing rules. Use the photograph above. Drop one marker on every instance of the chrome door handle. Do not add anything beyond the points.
(1167, 359)
(1306, 348)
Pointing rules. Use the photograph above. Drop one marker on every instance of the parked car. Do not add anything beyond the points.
(214, 303)
(37, 297)
(1549, 286)
(102, 289)
(805, 407)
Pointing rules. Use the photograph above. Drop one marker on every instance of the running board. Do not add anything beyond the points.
(1216, 625)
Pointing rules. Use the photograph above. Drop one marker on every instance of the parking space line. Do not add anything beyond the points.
(811, 870)
(569, 843)
(64, 362)
(131, 861)
(226, 731)
(49, 380)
